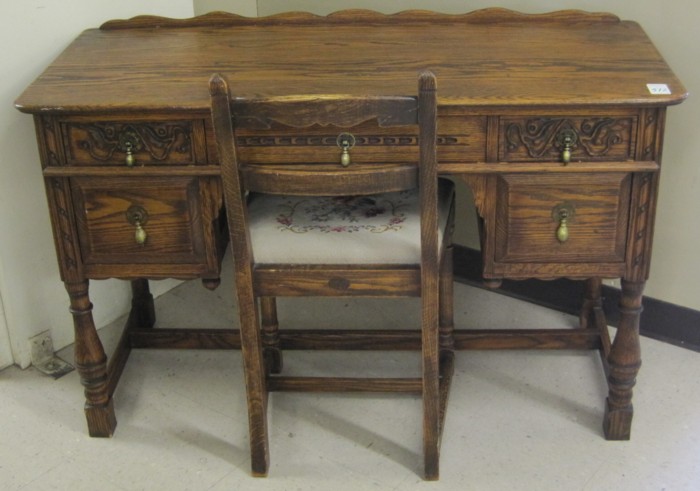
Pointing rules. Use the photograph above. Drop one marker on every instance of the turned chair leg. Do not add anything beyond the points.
(270, 334)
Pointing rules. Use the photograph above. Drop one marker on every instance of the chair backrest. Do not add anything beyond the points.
(230, 115)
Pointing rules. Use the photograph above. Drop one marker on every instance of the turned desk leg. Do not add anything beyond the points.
(624, 361)
(143, 313)
(91, 362)
(592, 309)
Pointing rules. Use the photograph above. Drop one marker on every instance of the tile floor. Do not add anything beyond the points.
(516, 420)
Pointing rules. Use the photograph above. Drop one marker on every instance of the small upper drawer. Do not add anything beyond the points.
(124, 143)
(586, 138)
(460, 139)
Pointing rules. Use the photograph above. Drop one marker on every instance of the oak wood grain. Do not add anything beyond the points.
(526, 61)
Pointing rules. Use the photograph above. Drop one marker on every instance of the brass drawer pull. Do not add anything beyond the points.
(130, 159)
(566, 140)
(130, 142)
(138, 216)
(562, 214)
(345, 141)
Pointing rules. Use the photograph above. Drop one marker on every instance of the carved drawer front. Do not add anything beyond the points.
(561, 218)
(134, 143)
(460, 139)
(560, 138)
(136, 221)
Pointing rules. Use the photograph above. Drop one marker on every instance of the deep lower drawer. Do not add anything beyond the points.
(561, 218)
(123, 220)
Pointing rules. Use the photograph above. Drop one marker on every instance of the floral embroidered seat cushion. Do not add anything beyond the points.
(382, 228)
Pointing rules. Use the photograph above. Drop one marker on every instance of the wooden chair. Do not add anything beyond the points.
(267, 203)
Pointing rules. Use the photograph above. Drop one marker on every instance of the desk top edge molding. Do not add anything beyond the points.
(491, 15)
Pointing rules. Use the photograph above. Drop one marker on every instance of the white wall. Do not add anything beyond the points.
(672, 26)
(5, 351)
(32, 33)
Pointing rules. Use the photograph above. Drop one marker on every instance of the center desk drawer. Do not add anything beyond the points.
(125, 220)
(460, 139)
(564, 218)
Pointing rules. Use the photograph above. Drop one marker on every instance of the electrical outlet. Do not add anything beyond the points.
(43, 357)
(41, 347)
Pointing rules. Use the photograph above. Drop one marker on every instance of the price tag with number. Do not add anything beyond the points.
(658, 89)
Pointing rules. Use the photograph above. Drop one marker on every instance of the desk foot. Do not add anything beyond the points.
(617, 423)
(101, 420)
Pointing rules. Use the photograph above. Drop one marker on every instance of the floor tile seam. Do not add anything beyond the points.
(242, 418)
(43, 472)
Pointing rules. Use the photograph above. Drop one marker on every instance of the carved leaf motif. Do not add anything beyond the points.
(595, 137)
(160, 141)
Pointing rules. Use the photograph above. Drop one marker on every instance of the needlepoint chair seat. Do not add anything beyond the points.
(372, 229)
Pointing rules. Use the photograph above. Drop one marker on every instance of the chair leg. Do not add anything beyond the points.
(256, 390)
(270, 334)
(446, 333)
(431, 382)
(446, 303)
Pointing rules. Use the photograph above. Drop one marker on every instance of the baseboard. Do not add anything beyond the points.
(660, 320)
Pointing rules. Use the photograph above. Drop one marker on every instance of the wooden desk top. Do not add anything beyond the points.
(485, 59)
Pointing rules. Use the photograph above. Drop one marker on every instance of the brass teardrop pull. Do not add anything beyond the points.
(140, 235)
(138, 216)
(562, 214)
(566, 140)
(345, 142)
(130, 159)
(563, 229)
(130, 143)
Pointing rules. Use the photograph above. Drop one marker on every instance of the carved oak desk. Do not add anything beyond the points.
(550, 119)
